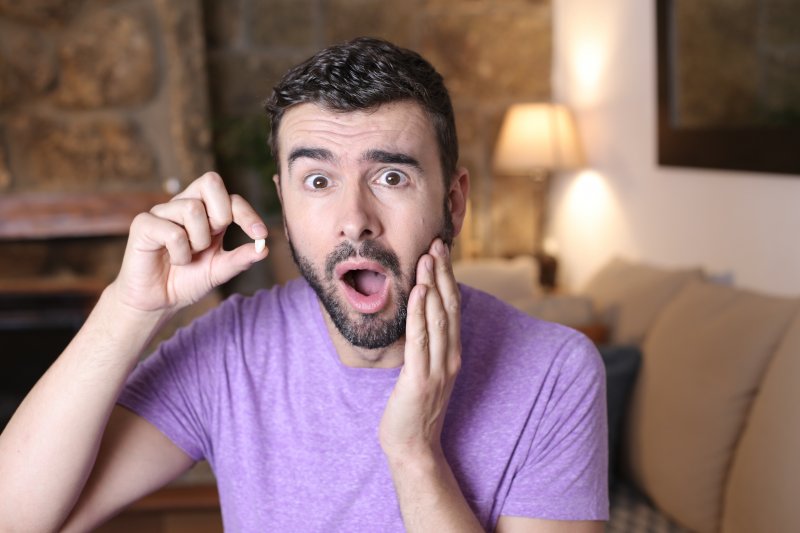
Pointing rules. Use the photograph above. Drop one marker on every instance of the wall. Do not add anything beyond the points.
(740, 223)
(99, 96)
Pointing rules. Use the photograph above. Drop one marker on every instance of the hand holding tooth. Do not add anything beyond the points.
(174, 254)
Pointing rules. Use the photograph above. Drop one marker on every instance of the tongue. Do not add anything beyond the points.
(368, 282)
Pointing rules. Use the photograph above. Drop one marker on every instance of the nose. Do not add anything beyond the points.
(359, 220)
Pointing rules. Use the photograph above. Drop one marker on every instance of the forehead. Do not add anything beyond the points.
(401, 126)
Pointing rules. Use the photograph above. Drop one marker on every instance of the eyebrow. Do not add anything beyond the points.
(395, 158)
(375, 156)
(320, 154)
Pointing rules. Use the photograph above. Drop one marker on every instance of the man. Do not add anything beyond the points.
(375, 394)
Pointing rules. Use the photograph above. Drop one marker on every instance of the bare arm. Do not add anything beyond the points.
(48, 448)
(135, 458)
(518, 524)
(47, 451)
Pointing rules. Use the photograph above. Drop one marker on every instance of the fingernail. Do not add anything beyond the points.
(259, 230)
(429, 264)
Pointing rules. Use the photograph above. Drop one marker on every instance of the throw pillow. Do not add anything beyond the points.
(622, 365)
(628, 296)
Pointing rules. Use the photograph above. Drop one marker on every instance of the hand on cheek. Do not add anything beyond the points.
(412, 422)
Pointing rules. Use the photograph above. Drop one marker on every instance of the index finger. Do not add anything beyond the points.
(222, 208)
(416, 359)
(449, 292)
(246, 218)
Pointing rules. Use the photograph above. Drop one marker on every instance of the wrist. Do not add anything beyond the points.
(420, 461)
(113, 297)
(122, 320)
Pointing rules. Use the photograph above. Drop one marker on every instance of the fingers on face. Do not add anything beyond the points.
(451, 302)
(436, 318)
(416, 353)
(437, 322)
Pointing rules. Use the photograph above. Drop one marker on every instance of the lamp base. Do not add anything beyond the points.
(548, 270)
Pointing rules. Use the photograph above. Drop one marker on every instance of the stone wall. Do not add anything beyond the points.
(491, 54)
(97, 97)
(101, 96)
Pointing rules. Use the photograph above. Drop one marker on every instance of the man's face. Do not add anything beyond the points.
(363, 197)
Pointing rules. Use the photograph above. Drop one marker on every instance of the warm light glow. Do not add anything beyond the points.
(589, 224)
(584, 49)
(588, 63)
(589, 202)
(536, 137)
(589, 196)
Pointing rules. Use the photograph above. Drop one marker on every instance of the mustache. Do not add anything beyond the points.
(367, 250)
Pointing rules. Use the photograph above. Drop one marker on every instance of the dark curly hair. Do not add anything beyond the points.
(363, 74)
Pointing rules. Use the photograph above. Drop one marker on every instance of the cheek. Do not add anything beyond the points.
(306, 236)
(417, 234)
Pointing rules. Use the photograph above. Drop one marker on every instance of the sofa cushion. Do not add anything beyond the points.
(702, 362)
(506, 279)
(764, 481)
(628, 296)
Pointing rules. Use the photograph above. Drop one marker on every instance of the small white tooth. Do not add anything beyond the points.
(260, 245)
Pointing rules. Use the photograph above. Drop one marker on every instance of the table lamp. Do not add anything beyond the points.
(535, 140)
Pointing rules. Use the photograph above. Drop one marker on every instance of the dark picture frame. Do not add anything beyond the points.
(771, 149)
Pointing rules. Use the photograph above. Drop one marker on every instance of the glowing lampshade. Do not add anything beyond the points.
(537, 137)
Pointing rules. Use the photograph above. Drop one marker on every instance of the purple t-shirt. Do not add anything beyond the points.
(257, 388)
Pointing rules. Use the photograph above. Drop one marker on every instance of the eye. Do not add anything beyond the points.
(392, 178)
(317, 182)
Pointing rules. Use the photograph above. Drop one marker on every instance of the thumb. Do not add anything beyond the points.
(232, 263)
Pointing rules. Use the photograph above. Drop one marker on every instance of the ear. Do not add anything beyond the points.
(276, 179)
(457, 198)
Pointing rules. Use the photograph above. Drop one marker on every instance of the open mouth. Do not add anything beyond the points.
(367, 282)
(365, 285)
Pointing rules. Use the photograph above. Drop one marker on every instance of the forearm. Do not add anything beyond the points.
(48, 448)
(430, 498)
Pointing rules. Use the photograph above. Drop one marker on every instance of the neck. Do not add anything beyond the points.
(391, 356)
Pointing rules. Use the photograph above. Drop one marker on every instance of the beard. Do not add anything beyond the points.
(369, 331)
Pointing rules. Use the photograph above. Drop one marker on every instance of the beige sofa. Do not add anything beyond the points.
(711, 436)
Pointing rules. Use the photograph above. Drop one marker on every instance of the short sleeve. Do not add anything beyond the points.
(565, 474)
(173, 389)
